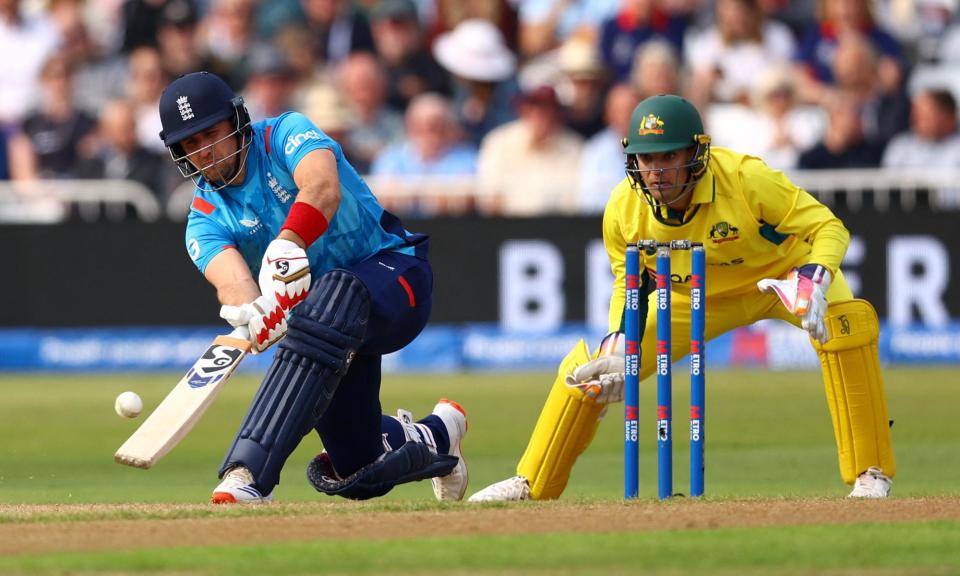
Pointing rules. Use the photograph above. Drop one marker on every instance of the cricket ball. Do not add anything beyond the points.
(128, 405)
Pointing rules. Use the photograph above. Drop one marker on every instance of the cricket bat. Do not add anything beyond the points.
(186, 403)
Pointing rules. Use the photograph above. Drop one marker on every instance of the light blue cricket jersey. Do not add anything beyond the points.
(249, 216)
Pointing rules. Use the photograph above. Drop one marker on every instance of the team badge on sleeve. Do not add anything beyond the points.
(193, 247)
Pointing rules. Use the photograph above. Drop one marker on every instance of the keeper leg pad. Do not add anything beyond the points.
(854, 386)
(321, 341)
(565, 428)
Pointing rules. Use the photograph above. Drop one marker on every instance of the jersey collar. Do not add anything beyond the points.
(704, 192)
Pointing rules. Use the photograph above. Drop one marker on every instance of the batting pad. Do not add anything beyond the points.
(320, 345)
(566, 427)
(851, 375)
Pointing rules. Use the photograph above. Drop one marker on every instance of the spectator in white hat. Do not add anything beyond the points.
(582, 86)
(324, 106)
(483, 66)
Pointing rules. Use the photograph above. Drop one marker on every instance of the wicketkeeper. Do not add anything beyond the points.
(773, 251)
(300, 252)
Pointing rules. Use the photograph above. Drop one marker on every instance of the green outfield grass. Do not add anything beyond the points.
(768, 435)
(906, 548)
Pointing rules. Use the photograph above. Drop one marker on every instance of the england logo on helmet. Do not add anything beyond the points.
(186, 112)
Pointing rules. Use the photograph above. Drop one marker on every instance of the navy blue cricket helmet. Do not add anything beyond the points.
(193, 103)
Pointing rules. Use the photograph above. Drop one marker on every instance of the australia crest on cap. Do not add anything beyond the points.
(651, 124)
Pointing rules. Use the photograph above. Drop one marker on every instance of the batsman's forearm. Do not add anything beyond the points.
(231, 276)
(324, 196)
(317, 201)
(239, 292)
(318, 182)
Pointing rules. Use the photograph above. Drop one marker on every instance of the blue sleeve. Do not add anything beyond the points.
(807, 46)
(886, 45)
(294, 136)
(676, 31)
(607, 35)
(205, 238)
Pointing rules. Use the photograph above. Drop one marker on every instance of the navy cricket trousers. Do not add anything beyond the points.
(401, 289)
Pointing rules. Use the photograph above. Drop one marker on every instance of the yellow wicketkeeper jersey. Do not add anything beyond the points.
(753, 222)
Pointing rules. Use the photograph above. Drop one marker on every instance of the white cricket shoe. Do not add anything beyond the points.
(453, 486)
(511, 489)
(237, 487)
(871, 484)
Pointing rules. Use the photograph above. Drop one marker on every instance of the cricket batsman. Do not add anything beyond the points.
(773, 251)
(301, 253)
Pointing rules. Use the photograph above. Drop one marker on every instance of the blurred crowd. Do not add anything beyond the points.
(521, 102)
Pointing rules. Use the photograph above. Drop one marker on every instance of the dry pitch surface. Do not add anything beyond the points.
(38, 529)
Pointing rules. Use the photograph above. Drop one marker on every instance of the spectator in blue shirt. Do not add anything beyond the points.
(423, 168)
(818, 46)
(637, 22)
(431, 146)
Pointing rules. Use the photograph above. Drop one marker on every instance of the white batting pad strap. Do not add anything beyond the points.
(415, 432)
(426, 436)
(405, 418)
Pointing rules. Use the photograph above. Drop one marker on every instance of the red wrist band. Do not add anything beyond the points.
(306, 222)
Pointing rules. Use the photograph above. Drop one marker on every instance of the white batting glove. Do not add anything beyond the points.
(285, 273)
(600, 379)
(264, 318)
(804, 294)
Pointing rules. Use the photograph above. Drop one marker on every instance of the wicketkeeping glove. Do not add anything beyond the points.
(264, 318)
(804, 294)
(285, 273)
(600, 379)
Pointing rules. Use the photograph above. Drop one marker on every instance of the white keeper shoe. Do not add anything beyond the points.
(511, 489)
(872, 484)
(453, 486)
(237, 488)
